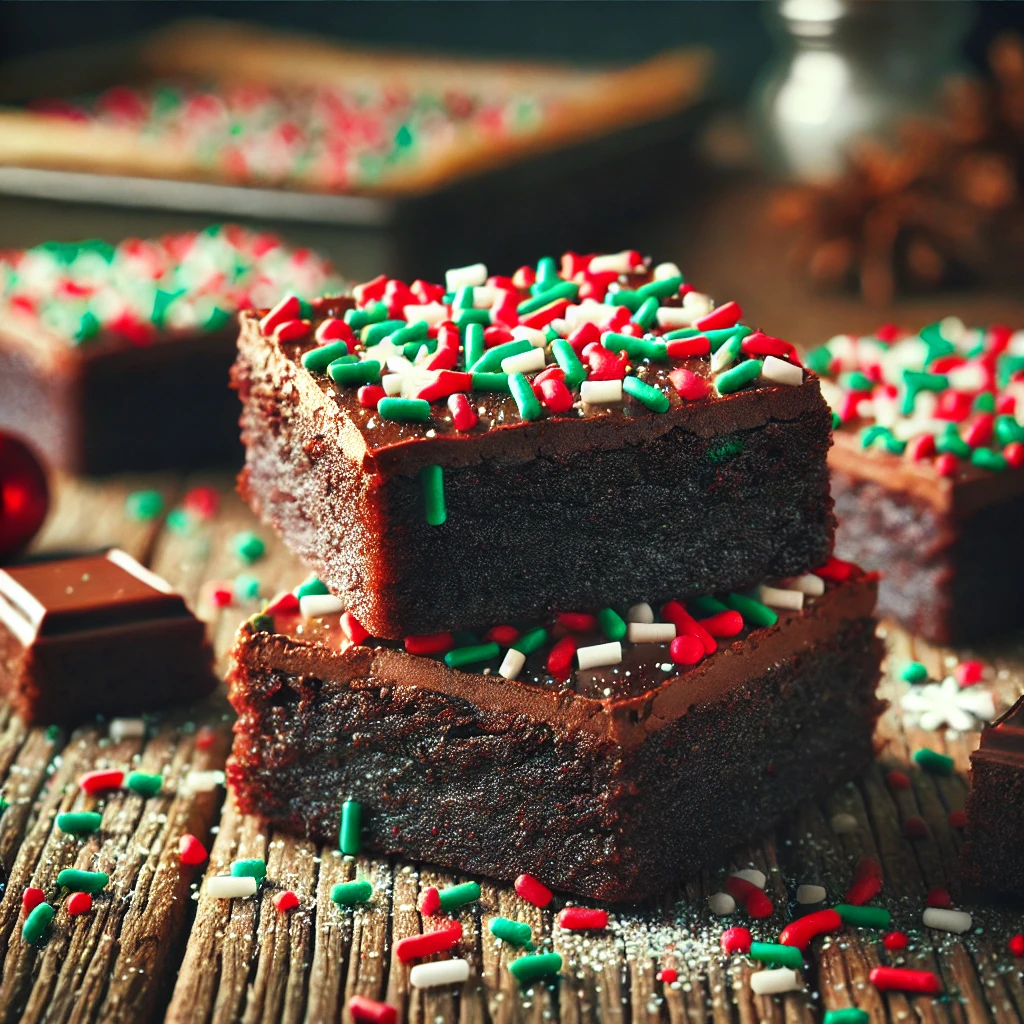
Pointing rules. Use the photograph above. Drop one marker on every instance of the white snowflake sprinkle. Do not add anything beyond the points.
(945, 703)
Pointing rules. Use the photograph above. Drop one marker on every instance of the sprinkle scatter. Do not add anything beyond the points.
(131, 293)
(950, 395)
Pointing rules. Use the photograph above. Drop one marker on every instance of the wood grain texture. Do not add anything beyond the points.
(156, 946)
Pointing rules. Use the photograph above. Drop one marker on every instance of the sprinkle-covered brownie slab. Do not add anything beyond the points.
(928, 471)
(116, 357)
(600, 766)
(586, 430)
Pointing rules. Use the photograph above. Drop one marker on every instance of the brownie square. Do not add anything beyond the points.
(611, 782)
(928, 474)
(701, 472)
(99, 634)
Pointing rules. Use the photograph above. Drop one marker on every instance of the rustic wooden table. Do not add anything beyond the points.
(156, 947)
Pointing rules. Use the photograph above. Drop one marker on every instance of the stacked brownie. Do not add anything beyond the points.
(575, 612)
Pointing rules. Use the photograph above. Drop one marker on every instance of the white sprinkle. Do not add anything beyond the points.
(775, 597)
(957, 921)
(620, 262)
(228, 887)
(559, 326)
(600, 655)
(458, 277)
(392, 384)
(441, 972)
(313, 606)
(663, 270)
(969, 377)
(433, 313)
(589, 312)
(197, 781)
(751, 875)
(721, 904)
(126, 728)
(531, 334)
(809, 584)
(601, 392)
(524, 362)
(485, 296)
(770, 983)
(512, 664)
(698, 303)
(671, 317)
(781, 372)
(843, 824)
(651, 632)
(724, 357)
(810, 893)
(641, 612)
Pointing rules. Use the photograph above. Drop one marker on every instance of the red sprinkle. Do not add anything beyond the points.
(939, 897)
(968, 673)
(333, 329)
(559, 662)
(292, 330)
(286, 900)
(915, 828)
(221, 595)
(206, 737)
(535, 892)
(867, 882)
(417, 946)
(727, 315)
(190, 851)
(446, 355)
(584, 335)
(286, 603)
(504, 636)
(1014, 454)
(898, 780)
(667, 975)
(895, 941)
(97, 782)
(505, 310)
(581, 919)
(31, 898)
(201, 502)
(496, 336)
(463, 414)
(578, 622)
(555, 395)
(690, 386)
(686, 623)
(79, 903)
(759, 344)
(947, 465)
(1017, 945)
(900, 979)
(552, 372)
(605, 365)
(686, 650)
(370, 1010)
(539, 320)
(430, 901)
(352, 628)
(724, 624)
(835, 570)
(370, 291)
(920, 447)
(369, 395)
(736, 940)
(430, 643)
(979, 433)
(957, 819)
(449, 382)
(753, 899)
(800, 932)
(289, 308)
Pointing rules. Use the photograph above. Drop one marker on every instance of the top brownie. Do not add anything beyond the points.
(495, 448)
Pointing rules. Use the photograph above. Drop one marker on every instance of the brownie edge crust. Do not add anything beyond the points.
(609, 800)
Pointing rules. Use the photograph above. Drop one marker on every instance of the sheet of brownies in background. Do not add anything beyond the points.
(572, 531)
(240, 104)
(928, 472)
(115, 357)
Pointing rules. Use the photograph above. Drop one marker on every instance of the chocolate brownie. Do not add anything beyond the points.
(99, 634)
(928, 472)
(117, 357)
(993, 850)
(516, 446)
(609, 768)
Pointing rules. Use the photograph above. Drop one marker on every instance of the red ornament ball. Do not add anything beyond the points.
(24, 495)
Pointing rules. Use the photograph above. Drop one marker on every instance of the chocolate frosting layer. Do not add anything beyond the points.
(1003, 740)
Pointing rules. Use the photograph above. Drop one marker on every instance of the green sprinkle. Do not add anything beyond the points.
(781, 956)
(53, 733)
(464, 317)
(624, 297)
(1007, 430)
(864, 917)
(260, 623)
(1008, 365)
(463, 297)
(316, 360)
(721, 335)
(563, 290)
(848, 1015)
(534, 966)
(950, 442)
(475, 344)
(727, 353)
(526, 400)
(373, 314)
(876, 435)
(707, 606)
(915, 382)
(547, 273)
(490, 382)
(404, 410)
(985, 458)
(459, 895)
(836, 421)
(79, 823)
(82, 881)
(249, 547)
(682, 333)
(144, 506)
(751, 610)
(416, 331)
(516, 933)
(612, 624)
(311, 587)
(819, 360)
(432, 485)
(933, 762)
(635, 348)
(913, 672)
(725, 450)
(37, 922)
(345, 894)
(180, 521)
(3, 806)
(366, 371)
(250, 867)
(985, 402)
(490, 361)
(88, 327)
(738, 377)
(663, 288)
(532, 641)
(348, 839)
(144, 784)
(647, 313)
(858, 381)
(245, 587)
(374, 334)
(652, 398)
(567, 359)
(937, 345)
(471, 655)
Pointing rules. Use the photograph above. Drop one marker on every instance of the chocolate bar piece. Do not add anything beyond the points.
(517, 446)
(928, 473)
(116, 358)
(606, 768)
(993, 850)
(99, 634)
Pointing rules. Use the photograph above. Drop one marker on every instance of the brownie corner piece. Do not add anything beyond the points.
(612, 776)
(97, 634)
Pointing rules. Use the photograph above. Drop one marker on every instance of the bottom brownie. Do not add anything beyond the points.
(613, 783)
